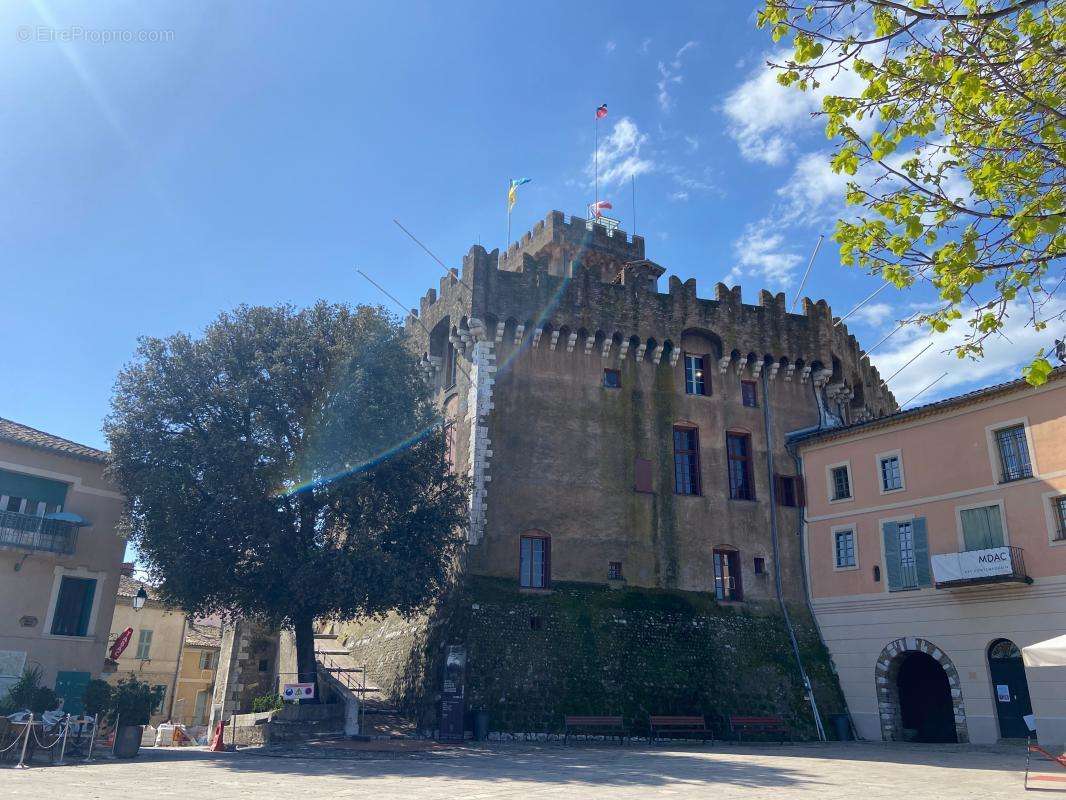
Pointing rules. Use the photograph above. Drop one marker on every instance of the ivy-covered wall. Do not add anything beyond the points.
(582, 649)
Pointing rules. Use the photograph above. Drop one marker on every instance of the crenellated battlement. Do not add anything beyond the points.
(579, 291)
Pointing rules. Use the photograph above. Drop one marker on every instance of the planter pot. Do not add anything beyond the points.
(128, 741)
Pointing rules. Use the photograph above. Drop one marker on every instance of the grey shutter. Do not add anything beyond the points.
(921, 552)
(890, 531)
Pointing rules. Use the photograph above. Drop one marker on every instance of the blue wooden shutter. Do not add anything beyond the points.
(921, 552)
(890, 531)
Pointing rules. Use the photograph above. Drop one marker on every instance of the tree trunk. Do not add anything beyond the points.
(306, 668)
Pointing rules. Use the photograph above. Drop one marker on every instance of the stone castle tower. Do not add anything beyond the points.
(625, 449)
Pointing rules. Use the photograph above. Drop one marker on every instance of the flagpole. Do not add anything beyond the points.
(596, 154)
(633, 185)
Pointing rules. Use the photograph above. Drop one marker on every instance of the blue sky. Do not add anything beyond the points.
(260, 158)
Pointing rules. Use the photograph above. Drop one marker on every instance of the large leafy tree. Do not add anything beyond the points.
(287, 465)
(955, 137)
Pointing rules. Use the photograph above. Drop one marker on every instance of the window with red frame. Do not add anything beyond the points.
(738, 452)
(686, 460)
(748, 394)
(727, 584)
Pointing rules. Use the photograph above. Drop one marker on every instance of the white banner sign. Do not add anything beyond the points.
(951, 567)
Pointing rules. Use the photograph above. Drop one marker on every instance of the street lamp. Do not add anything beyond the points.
(139, 599)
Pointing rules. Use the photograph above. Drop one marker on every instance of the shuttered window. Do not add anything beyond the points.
(907, 554)
(982, 528)
(727, 585)
(144, 644)
(1058, 507)
(74, 606)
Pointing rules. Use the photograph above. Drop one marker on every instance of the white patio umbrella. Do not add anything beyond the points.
(1050, 653)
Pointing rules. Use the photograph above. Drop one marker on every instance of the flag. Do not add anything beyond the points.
(512, 193)
(599, 207)
(601, 112)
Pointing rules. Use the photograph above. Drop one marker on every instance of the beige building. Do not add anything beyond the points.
(166, 650)
(935, 551)
(59, 559)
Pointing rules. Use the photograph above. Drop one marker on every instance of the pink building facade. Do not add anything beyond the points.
(935, 545)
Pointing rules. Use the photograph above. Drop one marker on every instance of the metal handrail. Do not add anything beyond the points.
(32, 532)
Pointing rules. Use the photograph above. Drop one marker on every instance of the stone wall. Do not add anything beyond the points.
(532, 658)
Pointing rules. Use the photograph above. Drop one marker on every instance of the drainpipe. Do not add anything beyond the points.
(767, 416)
(177, 669)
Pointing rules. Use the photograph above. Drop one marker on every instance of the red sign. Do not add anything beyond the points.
(121, 643)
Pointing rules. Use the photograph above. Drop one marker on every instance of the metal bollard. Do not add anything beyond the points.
(63, 749)
(25, 741)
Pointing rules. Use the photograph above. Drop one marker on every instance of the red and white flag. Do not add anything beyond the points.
(601, 112)
(599, 207)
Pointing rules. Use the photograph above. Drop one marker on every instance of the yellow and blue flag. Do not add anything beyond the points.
(512, 193)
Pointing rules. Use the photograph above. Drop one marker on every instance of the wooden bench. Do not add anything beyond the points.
(601, 726)
(660, 724)
(742, 725)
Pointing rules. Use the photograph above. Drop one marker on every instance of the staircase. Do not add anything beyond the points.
(368, 714)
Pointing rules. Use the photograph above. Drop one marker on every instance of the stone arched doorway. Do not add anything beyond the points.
(920, 664)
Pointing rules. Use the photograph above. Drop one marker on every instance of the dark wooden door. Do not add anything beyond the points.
(1010, 689)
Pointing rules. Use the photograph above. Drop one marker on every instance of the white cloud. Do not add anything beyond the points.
(1003, 360)
(643, 50)
(619, 154)
(764, 115)
(692, 144)
(814, 193)
(609, 47)
(670, 75)
(679, 197)
(873, 314)
(763, 255)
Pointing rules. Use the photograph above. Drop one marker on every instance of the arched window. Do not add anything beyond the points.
(534, 560)
(727, 582)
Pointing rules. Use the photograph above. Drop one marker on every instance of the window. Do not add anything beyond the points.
(906, 554)
(14, 504)
(686, 461)
(614, 570)
(760, 565)
(450, 445)
(450, 367)
(534, 567)
(74, 606)
(207, 659)
(1013, 454)
(264, 665)
(844, 549)
(696, 379)
(144, 644)
(727, 575)
(789, 490)
(738, 451)
(642, 475)
(1058, 514)
(840, 483)
(748, 394)
(982, 528)
(161, 691)
(612, 379)
(891, 474)
(200, 714)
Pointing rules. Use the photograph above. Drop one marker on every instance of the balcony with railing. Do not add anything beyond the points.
(41, 534)
(977, 567)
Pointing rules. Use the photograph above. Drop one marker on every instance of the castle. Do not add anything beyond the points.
(635, 539)
(634, 513)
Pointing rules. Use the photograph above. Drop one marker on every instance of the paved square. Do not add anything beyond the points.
(526, 771)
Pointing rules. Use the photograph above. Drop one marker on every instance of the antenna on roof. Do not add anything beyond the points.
(923, 391)
(874, 294)
(915, 358)
(810, 264)
(431, 254)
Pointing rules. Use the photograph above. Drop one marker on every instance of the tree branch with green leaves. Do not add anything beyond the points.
(956, 144)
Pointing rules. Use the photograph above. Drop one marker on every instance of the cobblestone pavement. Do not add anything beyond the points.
(861, 770)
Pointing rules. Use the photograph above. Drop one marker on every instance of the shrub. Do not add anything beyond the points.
(133, 701)
(27, 692)
(266, 702)
(97, 697)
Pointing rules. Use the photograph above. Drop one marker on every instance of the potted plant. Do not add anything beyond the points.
(28, 694)
(97, 697)
(132, 702)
